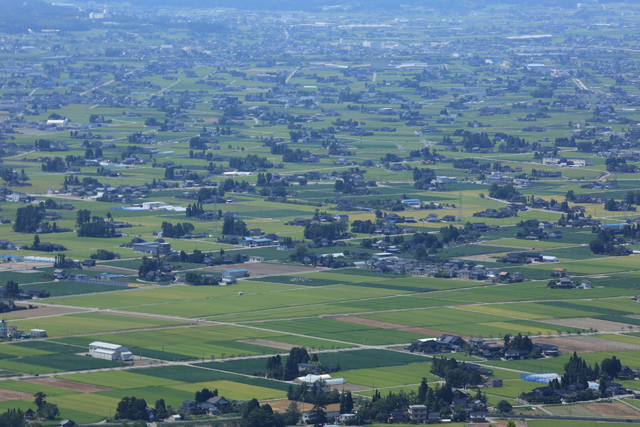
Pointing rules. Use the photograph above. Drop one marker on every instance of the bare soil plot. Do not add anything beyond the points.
(480, 258)
(586, 323)
(282, 405)
(355, 387)
(43, 310)
(25, 266)
(497, 423)
(269, 343)
(68, 385)
(588, 344)
(265, 269)
(617, 410)
(14, 395)
(388, 325)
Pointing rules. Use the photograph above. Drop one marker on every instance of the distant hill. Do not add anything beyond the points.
(21, 16)
(312, 5)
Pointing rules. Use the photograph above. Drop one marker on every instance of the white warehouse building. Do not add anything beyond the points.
(105, 350)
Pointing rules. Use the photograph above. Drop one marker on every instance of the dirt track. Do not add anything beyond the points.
(43, 311)
(269, 343)
(67, 385)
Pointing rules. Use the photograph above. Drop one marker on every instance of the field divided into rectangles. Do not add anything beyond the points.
(590, 310)
(83, 323)
(348, 361)
(162, 295)
(204, 341)
(121, 379)
(343, 331)
(463, 322)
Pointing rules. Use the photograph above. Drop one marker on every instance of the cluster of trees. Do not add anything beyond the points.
(235, 227)
(577, 371)
(205, 394)
(254, 415)
(103, 255)
(345, 185)
(604, 244)
(200, 280)
(455, 374)
(543, 92)
(27, 219)
(613, 206)
(11, 289)
(198, 143)
(332, 230)
(615, 164)
(149, 265)
(474, 140)
(504, 192)
(632, 198)
(289, 155)
(437, 400)
(449, 234)
(264, 179)
(517, 343)
(89, 153)
(46, 410)
(289, 371)
(424, 152)
(252, 161)
(13, 418)
(55, 165)
(205, 193)
(513, 144)
(582, 146)
(83, 216)
(131, 408)
(194, 211)
(96, 229)
(176, 231)
(366, 227)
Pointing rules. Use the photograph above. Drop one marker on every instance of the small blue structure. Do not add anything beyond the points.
(411, 201)
(540, 377)
(237, 273)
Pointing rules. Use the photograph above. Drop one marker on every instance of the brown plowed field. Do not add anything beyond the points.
(586, 323)
(587, 344)
(388, 325)
(13, 395)
(617, 410)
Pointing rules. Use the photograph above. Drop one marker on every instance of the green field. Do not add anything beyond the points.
(275, 123)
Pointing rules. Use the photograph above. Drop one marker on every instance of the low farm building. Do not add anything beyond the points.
(105, 350)
(237, 273)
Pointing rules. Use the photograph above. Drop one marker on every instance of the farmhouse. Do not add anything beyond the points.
(105, 350)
